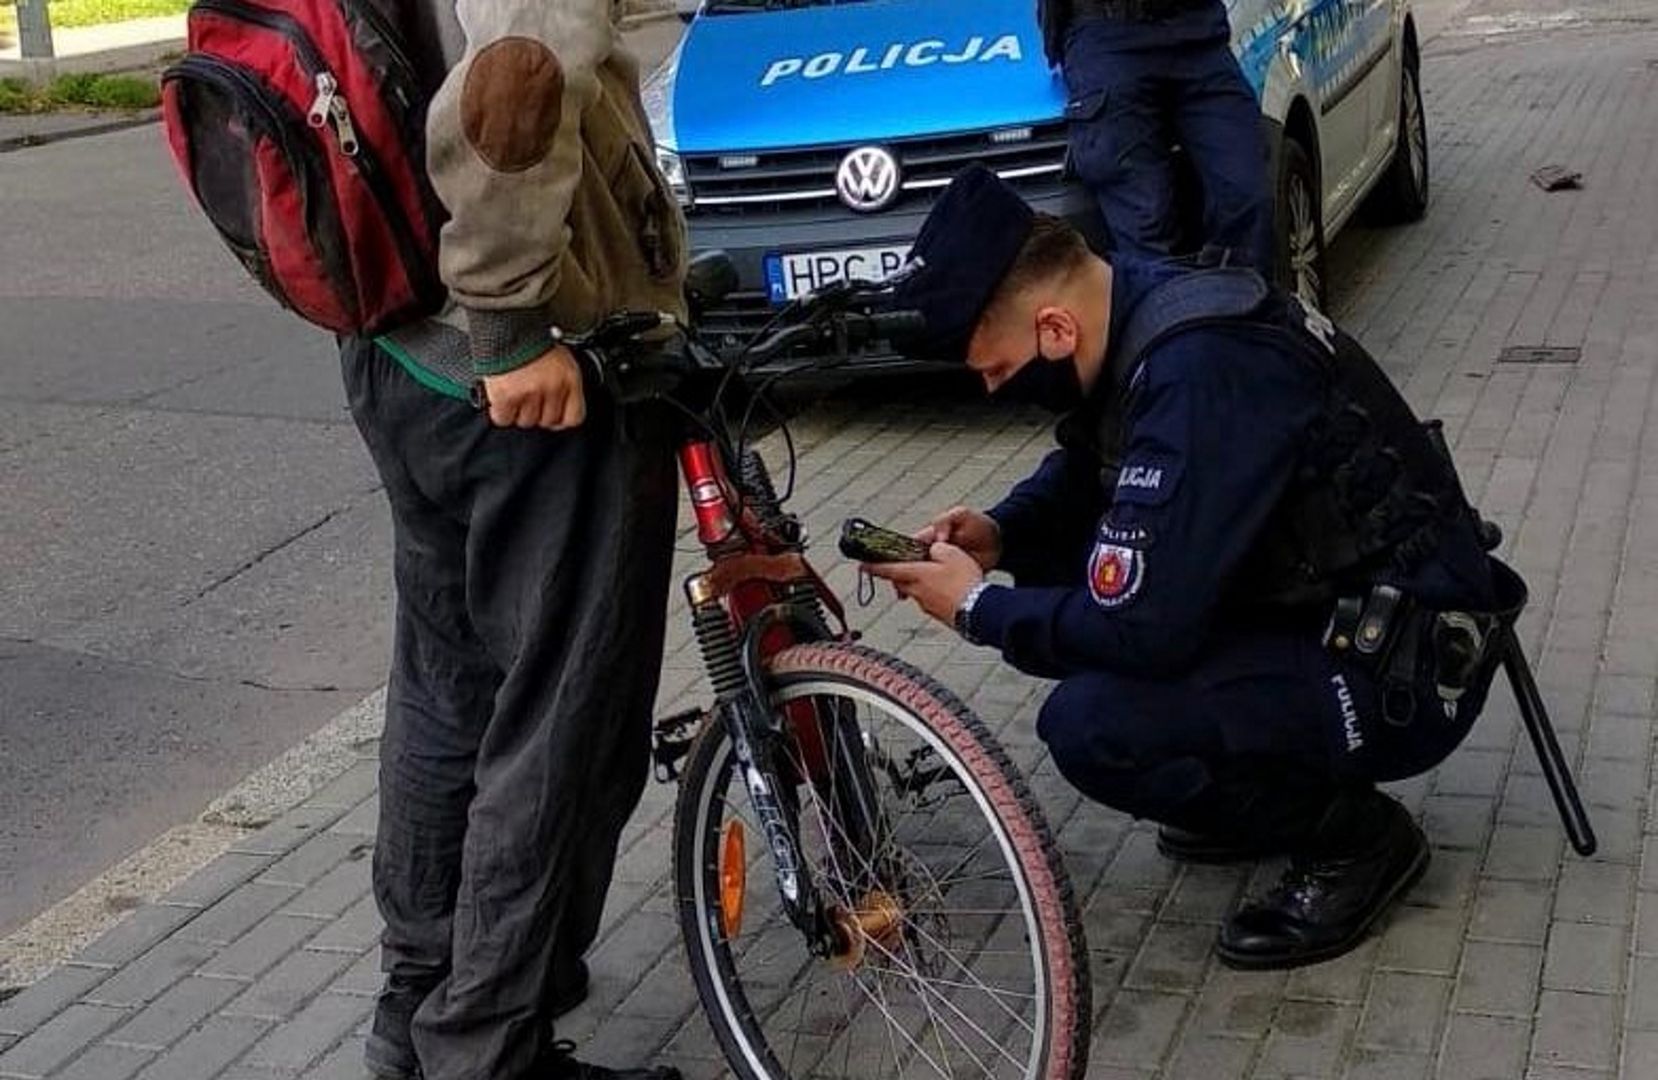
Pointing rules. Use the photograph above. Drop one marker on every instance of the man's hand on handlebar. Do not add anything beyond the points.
(544, 393)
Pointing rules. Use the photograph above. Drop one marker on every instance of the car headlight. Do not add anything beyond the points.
(673, 170)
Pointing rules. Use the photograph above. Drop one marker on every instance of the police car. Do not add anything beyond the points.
(809, 141)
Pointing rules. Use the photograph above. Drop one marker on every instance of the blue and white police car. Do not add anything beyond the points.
(808, 141)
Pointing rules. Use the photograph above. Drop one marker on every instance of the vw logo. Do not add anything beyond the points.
(867, 179)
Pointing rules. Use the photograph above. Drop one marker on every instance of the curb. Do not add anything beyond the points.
(62, 931)
(46, 138)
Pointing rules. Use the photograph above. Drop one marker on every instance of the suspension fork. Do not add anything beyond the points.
(742, 708)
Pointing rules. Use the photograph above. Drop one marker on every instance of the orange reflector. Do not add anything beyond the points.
(733, 878)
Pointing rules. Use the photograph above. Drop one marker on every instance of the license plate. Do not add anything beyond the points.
(790, 276)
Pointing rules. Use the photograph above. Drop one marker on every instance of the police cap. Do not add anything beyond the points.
(961, 254)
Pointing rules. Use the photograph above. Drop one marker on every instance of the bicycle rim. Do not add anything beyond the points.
(952, 976)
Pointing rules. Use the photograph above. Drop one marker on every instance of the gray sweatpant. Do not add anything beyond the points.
(532, 571)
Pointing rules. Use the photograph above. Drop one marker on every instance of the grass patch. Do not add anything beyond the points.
(103, 92)
(88, 91)
(66, 13)
(15, 96)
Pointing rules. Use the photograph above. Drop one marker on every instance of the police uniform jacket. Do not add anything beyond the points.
(1133, 569)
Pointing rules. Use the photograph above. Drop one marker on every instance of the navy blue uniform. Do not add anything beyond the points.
(1136, 89)
(1172, 686)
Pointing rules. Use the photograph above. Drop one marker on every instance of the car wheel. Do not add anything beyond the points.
(1300, 226)
(1402, 194)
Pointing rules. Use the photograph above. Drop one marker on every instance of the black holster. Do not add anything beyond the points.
(1414, 652)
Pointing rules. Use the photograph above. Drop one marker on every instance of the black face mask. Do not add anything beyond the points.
(1053, 385)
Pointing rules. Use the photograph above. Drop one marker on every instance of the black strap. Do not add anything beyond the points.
(1202, 296)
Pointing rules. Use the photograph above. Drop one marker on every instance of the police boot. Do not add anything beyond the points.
(1365, 852)
(1216, 848)
(560, 1064)
(1238, 819)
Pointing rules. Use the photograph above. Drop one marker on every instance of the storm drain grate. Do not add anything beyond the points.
(1540, 354)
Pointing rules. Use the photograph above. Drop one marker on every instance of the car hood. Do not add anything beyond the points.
(854, 72)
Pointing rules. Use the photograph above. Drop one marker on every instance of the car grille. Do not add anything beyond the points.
(789, 180)
(737, 317)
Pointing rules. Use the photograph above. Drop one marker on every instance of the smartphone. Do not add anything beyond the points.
(870, 543)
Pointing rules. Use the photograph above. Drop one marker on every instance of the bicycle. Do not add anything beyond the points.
(919, 918)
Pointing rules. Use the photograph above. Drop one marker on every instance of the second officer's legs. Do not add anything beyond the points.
(1120, 144)
(1218, 120)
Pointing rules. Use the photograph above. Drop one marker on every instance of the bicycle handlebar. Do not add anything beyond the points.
(839, 320)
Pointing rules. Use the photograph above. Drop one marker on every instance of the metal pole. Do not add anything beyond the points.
(34, 30)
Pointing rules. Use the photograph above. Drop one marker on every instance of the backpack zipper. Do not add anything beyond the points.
(332, 105)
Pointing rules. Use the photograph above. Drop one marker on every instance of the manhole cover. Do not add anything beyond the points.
(1539, 354)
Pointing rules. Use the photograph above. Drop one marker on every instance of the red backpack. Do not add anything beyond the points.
(299, 126)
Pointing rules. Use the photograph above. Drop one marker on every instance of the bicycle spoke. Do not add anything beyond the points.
(922, 984)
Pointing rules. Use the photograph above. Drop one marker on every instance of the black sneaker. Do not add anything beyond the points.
(389, 1053)
(562, 1065)
(569, 989)
(1331, 894)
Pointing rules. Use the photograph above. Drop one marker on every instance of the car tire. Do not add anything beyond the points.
(1300, 226)
(1402, 194)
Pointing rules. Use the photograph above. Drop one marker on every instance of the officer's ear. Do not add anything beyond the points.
(1057, 331)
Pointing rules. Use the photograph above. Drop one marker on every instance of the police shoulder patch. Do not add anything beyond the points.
(1149, 481)
(1115, 571)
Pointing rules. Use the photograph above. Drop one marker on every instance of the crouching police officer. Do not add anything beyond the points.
(1250, 567)
(1141, 76)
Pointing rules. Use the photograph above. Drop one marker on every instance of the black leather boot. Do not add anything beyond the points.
(1364, 854)
(1213, 848)
(1241, 818)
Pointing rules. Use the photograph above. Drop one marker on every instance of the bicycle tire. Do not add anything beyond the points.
(970, 750)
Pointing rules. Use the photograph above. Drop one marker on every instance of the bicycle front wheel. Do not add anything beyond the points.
(963, 951)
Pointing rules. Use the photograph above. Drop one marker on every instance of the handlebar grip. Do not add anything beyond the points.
(898, 325)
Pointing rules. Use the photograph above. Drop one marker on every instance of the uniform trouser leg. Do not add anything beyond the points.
(1218, 120)
(1241, 745)
(1120, 146)
(532, 574)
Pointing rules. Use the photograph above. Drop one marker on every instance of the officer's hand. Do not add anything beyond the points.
(544, 393)
(937, 586)
(974, 531)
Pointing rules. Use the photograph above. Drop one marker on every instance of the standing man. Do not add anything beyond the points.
(1250, 568)
(533, 538)
(1143, 75)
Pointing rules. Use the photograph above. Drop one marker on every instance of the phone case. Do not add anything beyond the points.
(870, 543)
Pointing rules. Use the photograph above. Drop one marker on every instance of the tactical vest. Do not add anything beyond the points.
(1374, 490)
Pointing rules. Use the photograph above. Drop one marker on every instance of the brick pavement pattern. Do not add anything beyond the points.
(1512, 959)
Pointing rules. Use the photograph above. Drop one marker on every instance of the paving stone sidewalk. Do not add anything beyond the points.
(1512, 959)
